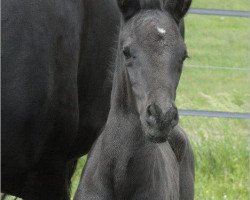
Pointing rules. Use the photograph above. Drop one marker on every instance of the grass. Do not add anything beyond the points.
(221, 153)
(216, 41)
(220, 145)
(76, 177)
(243, 5)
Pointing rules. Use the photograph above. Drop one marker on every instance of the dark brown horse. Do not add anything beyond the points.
(55, 89)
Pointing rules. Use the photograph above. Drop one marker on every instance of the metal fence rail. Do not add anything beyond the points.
(216, 114)
(243, 69)
(230, 13)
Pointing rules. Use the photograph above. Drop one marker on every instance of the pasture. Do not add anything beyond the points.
(220, 145)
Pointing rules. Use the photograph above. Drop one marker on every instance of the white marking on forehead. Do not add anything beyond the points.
(161, 30)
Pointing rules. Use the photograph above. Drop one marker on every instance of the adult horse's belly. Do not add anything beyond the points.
(39, 85)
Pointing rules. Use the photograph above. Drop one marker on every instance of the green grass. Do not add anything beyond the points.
(216, 41)
(221, 153)
(243, 5)
(76, 177)
(220, 145)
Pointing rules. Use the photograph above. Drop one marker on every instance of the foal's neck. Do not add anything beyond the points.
(124, 121)
(122, 98)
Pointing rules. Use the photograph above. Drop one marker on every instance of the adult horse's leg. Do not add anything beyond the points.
(50, 181)
(71, 170)
(3, 196)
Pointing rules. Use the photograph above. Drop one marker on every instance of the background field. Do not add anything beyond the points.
(222, 4)
(220, 145)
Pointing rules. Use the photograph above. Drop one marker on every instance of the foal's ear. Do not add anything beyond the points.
(178, 8)
(129, 8)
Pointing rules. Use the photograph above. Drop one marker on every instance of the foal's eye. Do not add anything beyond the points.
(126, 52)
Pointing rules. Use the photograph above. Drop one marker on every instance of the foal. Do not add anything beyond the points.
(140, 151)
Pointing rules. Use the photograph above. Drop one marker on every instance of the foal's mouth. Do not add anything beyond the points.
(157, 139)
(157, 136)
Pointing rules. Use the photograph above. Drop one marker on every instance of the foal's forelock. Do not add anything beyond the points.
(152, 4)
(157, 4)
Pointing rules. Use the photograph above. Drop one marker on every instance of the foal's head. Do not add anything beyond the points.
(152, 51)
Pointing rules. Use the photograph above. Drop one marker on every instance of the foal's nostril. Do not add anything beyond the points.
(151, 121)
(152, 110)
(155, 117)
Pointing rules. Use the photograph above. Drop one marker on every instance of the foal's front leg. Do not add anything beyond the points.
(97, 177)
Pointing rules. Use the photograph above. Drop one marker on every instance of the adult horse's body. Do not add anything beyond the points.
(55, 96)
(55, 92)
(142, 153)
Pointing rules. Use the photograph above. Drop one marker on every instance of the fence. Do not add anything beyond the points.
(217, 114)
(230, 13)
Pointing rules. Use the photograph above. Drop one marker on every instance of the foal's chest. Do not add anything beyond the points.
(151, 173)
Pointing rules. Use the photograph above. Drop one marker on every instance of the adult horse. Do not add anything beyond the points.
(142, 152)
(55, 92)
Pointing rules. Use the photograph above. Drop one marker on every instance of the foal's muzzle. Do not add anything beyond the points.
(161, 123)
